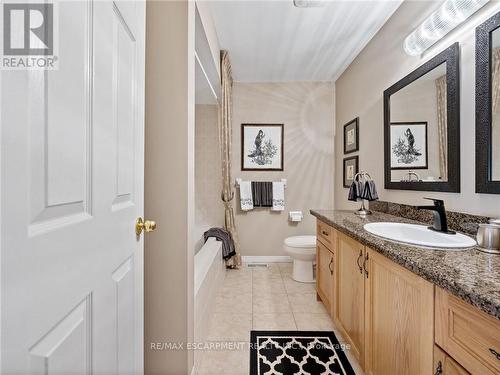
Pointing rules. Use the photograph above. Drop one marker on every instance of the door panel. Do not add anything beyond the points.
(124, 109)
(72, 152)
(60, 170)
(325, 274)
(65, 349)
(349, 293)
(399, 319)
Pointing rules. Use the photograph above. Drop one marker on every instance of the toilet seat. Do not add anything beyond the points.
(301, 241)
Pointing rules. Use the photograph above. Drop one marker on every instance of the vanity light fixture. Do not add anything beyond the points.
(451, 14)
(309, 3)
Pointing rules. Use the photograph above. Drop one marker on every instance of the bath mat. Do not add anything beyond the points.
(297, 352)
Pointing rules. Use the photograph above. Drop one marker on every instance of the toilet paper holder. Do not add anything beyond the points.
(295, 216)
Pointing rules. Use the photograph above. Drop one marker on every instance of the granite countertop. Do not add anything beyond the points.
(471, 275)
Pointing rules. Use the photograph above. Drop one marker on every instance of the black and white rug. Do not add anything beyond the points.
(297, 352)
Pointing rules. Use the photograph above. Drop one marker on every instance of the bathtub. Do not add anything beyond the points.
(209, 274)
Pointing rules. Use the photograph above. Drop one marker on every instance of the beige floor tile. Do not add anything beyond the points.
(286, 268)
(274, 286)
(272, 268)
(237, 285)
(270, 303)
(225, 326)
(293, 286)
(306, 302)
(242, 273)
(230, 362)
(276, 321)
(233, 303)
(313, 322)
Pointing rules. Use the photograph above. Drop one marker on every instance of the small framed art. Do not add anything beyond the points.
(351, 167)
(262, 147)
(351, 136)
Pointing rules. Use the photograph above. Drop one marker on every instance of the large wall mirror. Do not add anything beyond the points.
(422, 127)
(488, 106)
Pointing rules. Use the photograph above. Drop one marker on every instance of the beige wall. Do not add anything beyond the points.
(169, 184)
(306, 109)
(383, 62)
(209, 210)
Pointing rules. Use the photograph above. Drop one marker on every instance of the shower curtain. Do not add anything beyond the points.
(442, 125)
(225, 141)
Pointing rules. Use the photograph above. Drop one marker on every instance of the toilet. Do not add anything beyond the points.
(302, 249)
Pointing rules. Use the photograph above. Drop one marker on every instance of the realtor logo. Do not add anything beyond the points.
(28, 36)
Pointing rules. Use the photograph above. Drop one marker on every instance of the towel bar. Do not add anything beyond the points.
(238, 181)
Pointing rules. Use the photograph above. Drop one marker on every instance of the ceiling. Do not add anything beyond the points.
(275, 41)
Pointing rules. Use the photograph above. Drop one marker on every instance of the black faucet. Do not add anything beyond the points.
(440, 222)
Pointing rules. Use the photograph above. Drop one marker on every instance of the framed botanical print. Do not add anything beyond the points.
(262, 147)
(351, 167)
(409, 145)
(351, 136)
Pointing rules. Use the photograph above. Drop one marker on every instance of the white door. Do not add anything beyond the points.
(72, 157)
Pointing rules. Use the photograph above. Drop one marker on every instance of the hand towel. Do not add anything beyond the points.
(262, 194)
(221, 234)
(353, 192)
(370, 191)
(278, 196)
(246, 199)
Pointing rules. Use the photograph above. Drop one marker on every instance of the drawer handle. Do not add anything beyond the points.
(357, 261)
(364, 265)
(324, 233)
(439, 369)
(330, 266)
(495, 353)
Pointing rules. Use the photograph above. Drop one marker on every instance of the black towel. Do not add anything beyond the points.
(262, 193)
(370, 191)
(223, 235)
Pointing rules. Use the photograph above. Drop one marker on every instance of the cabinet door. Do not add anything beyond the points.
(324, 274)
(399, 319)
(469, 335)
(445, 365)
(349, 294)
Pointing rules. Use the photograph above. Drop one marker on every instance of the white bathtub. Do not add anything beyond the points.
(209, 274)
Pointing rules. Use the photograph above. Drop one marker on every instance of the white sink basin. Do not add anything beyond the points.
(420, 235)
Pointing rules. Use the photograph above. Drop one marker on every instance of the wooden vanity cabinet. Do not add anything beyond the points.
(399, 317)
(325, 263)
(382, 310)
(348, 312)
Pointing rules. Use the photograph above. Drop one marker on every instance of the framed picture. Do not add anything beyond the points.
(409, 145)
(262, 147)
(351, 136)
(351, 167)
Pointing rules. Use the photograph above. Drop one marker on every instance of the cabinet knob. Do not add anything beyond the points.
(360, 267)
(495, 353)
(439, 368)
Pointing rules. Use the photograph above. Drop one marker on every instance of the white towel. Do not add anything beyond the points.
(278, 196)
(246, 195)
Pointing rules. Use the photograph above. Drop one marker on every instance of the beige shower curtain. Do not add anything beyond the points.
(442, 125)
(225, 141)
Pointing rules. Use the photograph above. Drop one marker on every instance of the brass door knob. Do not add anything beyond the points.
(146, 226)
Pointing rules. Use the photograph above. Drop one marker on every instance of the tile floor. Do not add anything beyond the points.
(264, 298)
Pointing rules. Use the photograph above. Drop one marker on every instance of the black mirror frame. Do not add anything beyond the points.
(450, 56)
(484, 183)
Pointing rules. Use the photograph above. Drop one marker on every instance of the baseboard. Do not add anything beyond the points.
(266, 259)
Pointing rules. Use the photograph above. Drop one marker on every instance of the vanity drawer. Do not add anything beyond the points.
(325, 234)
(469, 335)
